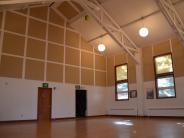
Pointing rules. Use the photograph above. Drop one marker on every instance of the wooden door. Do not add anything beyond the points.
(44, 103)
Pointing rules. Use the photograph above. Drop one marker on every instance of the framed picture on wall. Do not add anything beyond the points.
(150, 94)
(133, 93)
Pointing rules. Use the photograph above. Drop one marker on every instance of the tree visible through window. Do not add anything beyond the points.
(121, 79)
(164, 75)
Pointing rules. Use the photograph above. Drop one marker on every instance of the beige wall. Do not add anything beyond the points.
(119, 59)
(40, 47)
(173, 46)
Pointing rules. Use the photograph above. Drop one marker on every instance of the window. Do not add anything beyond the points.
(121, 79)
(164, 75)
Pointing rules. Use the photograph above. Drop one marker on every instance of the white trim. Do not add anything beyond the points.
(54, 62)
(38, 19)
(25, 46)
(64, 53)
(106, 72)
(43, 40)
(170, 44)
(94, 66)
(2, 33)
(46, 46)
(72, 30)
(11, 55)
(114, 61)
(80, 60)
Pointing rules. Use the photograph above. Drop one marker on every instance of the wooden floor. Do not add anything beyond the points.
(104, 127)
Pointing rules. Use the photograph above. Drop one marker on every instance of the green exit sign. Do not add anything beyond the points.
(45, 85)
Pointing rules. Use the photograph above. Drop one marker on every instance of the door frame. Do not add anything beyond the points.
(86, 110)
(39, 100)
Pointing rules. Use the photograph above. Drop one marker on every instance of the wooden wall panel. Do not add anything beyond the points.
(148, 66)
(37, 29)
(86, 60)
(86, 46)
(13, 44)
(120, 59)
(36, 49)
(72, 38)
(55, 18)
(15, 23)
(87, 77)
(67, 10)
(56, 34)
(162, 48)
(72, 56)
(72, 75)
(11, 67)
(110, 71)
(131, 70)
(39, 12)
(178, 57)
(55, 53)
(54, 72)
(100, 62)
(1, 17)
(100, 78)
(34, 70)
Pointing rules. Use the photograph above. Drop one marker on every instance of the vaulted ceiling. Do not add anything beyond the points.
(131, 15)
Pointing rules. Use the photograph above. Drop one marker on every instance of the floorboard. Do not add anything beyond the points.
(103, 127)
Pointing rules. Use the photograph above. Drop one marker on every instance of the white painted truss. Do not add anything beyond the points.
(169, 11)
(111, 27)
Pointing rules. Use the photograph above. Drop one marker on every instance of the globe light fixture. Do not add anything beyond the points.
(143, 32)
(101, 47)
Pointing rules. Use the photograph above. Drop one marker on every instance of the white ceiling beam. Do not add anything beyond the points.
(172, 16)
(134, 21)
(111, 27)
(75, 7)
(59, 13)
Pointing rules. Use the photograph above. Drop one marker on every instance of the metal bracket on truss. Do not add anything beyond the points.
(172, 16)
(110, 26)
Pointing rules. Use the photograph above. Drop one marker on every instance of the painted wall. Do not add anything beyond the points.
(145, 80)
(36, 46)
(18, 99)
(148, 107)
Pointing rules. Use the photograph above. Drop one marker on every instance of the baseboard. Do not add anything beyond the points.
(63, 118)
(97, 116)
(165, 117)
(71, 118)
(19, 121)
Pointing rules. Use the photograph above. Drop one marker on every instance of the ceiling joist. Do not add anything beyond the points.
(113, 29)
(170, 13)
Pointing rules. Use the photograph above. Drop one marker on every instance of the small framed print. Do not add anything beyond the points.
(133, 93)
(150, 94)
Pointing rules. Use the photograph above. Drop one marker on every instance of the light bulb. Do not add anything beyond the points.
(101, 47)
(143, 32)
